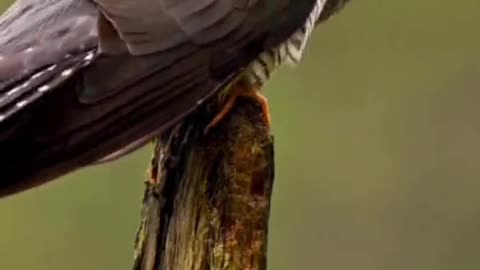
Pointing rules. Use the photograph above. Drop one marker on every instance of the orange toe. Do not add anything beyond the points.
(241, 91)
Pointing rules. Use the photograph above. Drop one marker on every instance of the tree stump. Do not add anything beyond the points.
(208, 204)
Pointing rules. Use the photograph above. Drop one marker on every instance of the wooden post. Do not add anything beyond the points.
(209, 205)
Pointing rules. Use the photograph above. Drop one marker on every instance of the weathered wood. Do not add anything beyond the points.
(209, 206)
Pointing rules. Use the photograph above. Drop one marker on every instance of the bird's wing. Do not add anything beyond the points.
(42, 44)
(159, 60)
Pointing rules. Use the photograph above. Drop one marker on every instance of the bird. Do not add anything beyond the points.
(84, 82)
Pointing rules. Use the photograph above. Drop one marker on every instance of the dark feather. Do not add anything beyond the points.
(159, 60)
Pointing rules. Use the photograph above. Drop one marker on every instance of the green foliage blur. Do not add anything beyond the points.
(377, 147)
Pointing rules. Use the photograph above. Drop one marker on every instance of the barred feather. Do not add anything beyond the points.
(291, 50)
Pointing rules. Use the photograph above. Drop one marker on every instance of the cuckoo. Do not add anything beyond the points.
(87, 81)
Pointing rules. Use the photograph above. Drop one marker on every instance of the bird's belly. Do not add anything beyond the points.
(289, 51)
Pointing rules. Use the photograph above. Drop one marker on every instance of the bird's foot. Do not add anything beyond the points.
(237, 91)
(152, 176)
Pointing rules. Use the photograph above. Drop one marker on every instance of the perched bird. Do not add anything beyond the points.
(87, 81)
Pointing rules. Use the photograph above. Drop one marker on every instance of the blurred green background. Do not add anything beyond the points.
(378, 157)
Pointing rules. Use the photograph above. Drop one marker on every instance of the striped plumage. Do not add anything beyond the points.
(83, 81)
(289, 51)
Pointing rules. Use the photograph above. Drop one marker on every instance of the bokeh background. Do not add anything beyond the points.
(378, 157)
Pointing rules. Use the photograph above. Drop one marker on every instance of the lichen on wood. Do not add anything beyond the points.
(208, 206)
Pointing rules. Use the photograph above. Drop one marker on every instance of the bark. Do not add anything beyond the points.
(208, 206)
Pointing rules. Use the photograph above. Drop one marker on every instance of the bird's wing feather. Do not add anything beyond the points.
(169, 56)
(43, 43)
(144, 24)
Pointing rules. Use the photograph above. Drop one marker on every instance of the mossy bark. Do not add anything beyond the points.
(209, 205)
